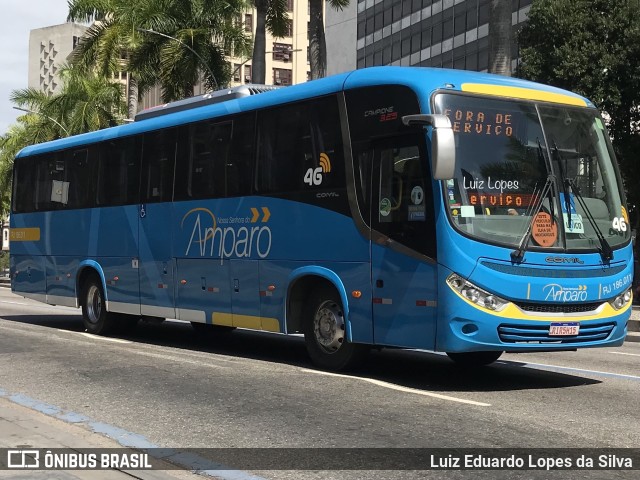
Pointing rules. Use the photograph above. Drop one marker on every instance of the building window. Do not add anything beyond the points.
(289, 5)
(282, 76)
(248, 22)
(282, 52)
(289, 29)
(247, 74)
(236, 72)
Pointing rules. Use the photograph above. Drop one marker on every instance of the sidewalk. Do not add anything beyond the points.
(24, 428)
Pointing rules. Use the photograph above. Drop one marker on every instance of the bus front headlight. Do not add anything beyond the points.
(621, 300)
(475, 294)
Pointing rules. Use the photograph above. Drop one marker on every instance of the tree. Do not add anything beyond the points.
(198, 35)
(317, 42)
(85, 103)
(272, 17)
(592, 48)
(500, 37)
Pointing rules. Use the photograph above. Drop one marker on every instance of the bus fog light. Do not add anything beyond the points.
(469, 328)
(627, 296)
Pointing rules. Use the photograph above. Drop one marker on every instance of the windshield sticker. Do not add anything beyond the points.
(544, 230)
(416, 213)
(467, 211)
(385, 207)
(417, 195)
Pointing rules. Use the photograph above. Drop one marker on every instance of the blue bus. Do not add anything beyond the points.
(416, 208)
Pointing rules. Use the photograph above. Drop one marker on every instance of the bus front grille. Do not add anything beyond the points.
(558, 307)
(589, 332)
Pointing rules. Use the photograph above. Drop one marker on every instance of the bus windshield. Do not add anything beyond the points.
(507, 151)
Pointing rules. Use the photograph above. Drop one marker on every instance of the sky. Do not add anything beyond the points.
(17, 19)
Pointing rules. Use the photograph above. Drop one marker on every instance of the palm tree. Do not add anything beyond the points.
(317, 42)
(194, 30)
(500, 37)
(271, 16)
(85, 103)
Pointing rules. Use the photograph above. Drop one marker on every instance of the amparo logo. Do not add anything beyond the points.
(227, 237)
(558, 293)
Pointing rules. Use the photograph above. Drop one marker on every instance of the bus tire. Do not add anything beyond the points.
(94, 309)
(324, 328)
(474, 359)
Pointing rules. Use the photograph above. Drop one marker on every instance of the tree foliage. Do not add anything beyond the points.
(591, 47)
(85, 103)
(196, 35)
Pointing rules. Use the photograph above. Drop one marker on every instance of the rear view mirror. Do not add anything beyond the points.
(443, 147)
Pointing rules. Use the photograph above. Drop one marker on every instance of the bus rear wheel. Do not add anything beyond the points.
(325, 333)
(474, 359)
(94, 309)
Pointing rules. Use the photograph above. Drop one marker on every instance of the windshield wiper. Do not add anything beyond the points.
(605, 249)
(518, 254)
(565, 184)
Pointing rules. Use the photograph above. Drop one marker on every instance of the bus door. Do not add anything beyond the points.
(403, 246)
(156, 266)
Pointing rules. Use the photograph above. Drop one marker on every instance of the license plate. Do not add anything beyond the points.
(564, 329)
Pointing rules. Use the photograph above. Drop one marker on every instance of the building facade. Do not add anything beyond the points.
(427, 33)
(49, 48)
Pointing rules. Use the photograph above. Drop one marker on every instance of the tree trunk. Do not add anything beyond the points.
(317, 43)
(258, 64)
(500, 37)
(132, 97)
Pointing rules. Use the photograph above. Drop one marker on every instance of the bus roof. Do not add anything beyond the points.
(423, 80)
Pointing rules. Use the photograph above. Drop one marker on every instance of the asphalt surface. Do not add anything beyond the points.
(164, 385)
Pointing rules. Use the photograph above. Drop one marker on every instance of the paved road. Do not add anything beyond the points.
(173, 389)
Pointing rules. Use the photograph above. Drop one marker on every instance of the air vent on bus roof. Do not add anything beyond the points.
(205, 99)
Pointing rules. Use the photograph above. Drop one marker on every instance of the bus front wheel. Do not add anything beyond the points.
(474, 359)
(325, 333)
(94, 310)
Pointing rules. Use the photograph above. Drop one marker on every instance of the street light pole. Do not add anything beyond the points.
(45, 116)
(204, 64)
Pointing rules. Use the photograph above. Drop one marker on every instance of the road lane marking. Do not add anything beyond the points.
(392, 386)
(558, 369)
(97, 337)
(625, 353)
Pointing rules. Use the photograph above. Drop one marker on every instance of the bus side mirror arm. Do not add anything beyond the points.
(443, 146)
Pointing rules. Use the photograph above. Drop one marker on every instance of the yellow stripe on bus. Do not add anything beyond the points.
(24, 234)
(523, 93)
(246, 321)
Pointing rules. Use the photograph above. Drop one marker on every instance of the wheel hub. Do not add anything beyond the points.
(329, 326)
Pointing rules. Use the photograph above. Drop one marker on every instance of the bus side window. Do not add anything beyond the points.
(241, 159)
(118, 173)
(209, 146)
(158, 161)
(77, 179)
(24, 198)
